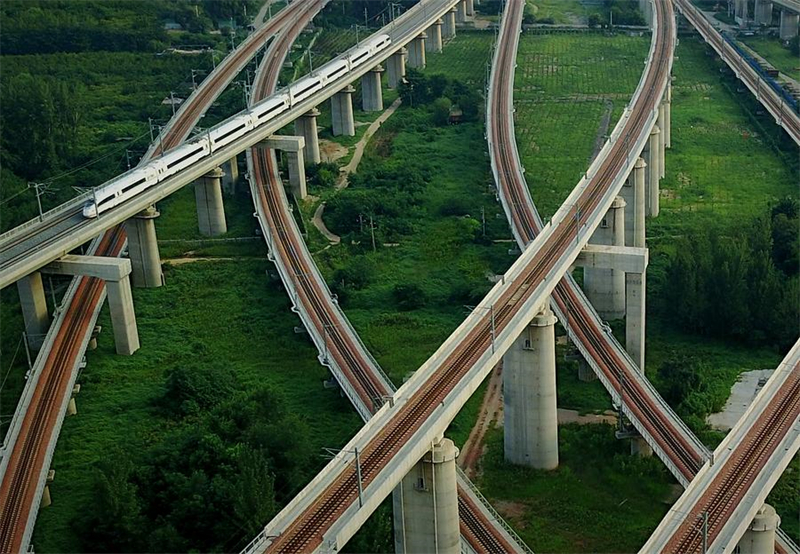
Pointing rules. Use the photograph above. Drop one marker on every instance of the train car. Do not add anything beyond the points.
(230, 131)
(304, 88)
(182, 157)
(270, 108)
(129, 184)
(334, 71)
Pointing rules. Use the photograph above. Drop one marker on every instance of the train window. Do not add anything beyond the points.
(134, 184)
(229, 133)
(360, 57)
(271, 111)
(186, 157)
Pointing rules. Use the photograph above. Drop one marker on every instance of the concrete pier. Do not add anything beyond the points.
(396, 68)
(647, 11)
(34, 308)
(529, 396)
(416, 52)
(306, 127)
(449, 27)
(789, 23)
(143, 249)
(740, 12)
(654, 171)
(231, 176)
(470, 8)
(666, 124)
(292, 147)
(763, 12)
(760, 535)
(426, 504)
(635, 317)
(210, 207)
(605, 288)
(115, 272)
(434, 32)
(461, 12)
(371, 92)
(342, 113)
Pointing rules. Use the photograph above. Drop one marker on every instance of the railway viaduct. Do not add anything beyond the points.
(614, 265)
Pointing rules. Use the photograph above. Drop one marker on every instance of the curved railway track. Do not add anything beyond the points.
(720, 499)
(348, 355)
(28, 453)
(306, 531)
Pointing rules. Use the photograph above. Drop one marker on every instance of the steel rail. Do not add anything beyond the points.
(323, 515)
(338, 344)
(764, 93)
(20, 257)
(31, 438)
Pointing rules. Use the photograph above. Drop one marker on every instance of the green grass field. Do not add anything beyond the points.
(564, 84)
(205, 315)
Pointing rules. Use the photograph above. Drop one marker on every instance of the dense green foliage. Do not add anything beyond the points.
(741, 285)
(225, 456)
(420, 89)
(50, 26)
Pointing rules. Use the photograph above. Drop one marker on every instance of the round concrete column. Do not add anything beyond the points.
(666, 126)
(461, 12)
(654, 173)
(371, 92)
(530, 414)
(416, 52)
(789, 23)
(427, 520)
(434, 43)
(396, 68)
(210, 208)
(760, 536)
(306, 127)
(143, 249)
(342, 112)
(449, 28)
(640, 201)
(763, 12)
(470, 8)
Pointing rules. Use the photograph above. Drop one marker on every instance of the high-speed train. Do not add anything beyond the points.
(137, 180)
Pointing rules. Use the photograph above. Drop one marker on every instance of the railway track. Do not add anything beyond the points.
(784, 115)
(27, 453)
(571, 304)
(305, 532)
(348, 355)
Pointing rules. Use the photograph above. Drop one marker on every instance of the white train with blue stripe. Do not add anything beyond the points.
(140, 179)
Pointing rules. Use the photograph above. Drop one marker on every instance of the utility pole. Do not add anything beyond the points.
(366, 18)
(172, 101)
(483, 220)
(150, 124)
(372, 232)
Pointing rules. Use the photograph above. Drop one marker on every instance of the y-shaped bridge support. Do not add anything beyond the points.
(115, 272)
(293, 148)
(34, 309)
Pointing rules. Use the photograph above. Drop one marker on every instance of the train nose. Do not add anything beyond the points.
(90, 210)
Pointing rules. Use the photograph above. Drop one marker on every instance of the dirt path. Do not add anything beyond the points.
(491, 408)
(189, 260)
(361, 145)
(491, 411)
(351, 167)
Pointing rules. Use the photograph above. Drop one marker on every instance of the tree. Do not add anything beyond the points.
(254, 491)
(409, 296)
(595, 20)
(441, 111)
(115, 522)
